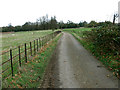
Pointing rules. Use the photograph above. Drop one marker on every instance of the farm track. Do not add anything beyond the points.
(72, 66)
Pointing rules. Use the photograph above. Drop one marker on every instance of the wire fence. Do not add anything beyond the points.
(15, 57)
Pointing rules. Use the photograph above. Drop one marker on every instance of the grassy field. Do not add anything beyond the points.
(10, 40)
(31, 73)
(78, 31)
(110, 60)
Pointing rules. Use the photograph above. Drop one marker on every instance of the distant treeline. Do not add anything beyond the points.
(44, 23)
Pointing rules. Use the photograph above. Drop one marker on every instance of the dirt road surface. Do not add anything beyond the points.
(72, 66)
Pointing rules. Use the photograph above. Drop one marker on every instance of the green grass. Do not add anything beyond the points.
(14, 40)
(107, 58)
(10, 40)
(78, 29)
(31, 74)
(6, 68)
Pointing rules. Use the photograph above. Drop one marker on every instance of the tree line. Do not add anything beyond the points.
(44, 23)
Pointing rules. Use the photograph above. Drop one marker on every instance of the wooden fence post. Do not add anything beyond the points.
(11, 61)
(37, 44)
(31, 48)
(47, 37)
(45, 40)
(19, 56)
(34, 47)
(25, 53)
(41, 42)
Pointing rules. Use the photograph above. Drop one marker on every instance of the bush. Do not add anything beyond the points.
(107, 38)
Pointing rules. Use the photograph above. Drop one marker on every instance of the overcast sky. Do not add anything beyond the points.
(18, 12)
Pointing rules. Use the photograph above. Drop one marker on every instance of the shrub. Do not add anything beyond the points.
(106, 37)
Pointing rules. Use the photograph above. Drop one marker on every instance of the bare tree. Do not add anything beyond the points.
(114, 17)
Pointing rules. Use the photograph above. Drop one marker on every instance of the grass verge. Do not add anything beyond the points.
(30, 74)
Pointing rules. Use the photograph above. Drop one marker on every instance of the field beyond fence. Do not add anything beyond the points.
(14, 58)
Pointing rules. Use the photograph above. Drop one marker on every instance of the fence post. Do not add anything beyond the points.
(34, 47)
(48, 37)
(19, 56)
(45, 39)
(41, 42)
(31, 48)
(11, 61)
(37, 44)
(25, 53)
